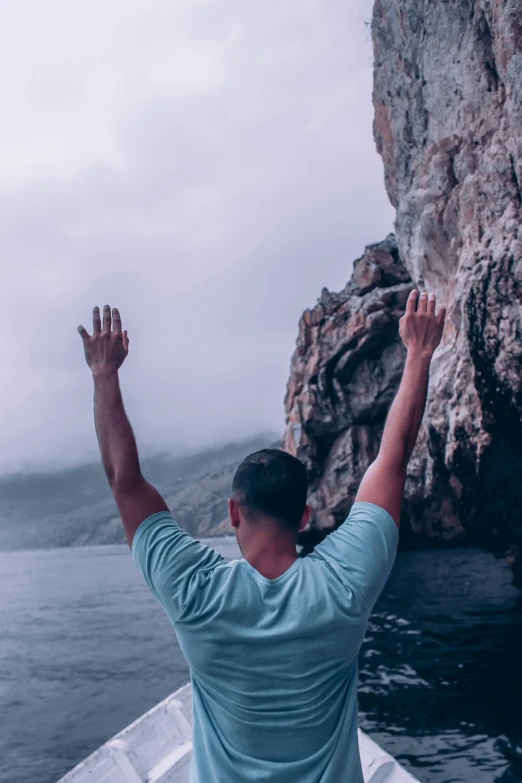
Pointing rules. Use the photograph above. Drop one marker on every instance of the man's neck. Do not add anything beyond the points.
(271, 559)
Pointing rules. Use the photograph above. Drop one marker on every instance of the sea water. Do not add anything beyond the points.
(85, 650)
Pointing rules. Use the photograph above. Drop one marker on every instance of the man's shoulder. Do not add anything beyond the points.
(359, 555)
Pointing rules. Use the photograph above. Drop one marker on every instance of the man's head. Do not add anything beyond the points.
(269, 490)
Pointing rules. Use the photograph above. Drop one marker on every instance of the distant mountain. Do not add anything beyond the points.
(75, 507)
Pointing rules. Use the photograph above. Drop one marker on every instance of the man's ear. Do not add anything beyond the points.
(233, 511)
(305, 519)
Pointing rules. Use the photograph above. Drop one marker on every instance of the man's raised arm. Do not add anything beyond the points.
(105, 352)
(421, 331)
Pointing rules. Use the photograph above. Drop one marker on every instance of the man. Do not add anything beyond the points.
(272, 639)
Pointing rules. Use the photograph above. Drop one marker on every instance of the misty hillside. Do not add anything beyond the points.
(74, 507)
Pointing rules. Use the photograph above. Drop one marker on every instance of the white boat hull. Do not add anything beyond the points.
(157, 748)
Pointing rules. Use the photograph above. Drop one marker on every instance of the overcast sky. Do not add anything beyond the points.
(205, 165)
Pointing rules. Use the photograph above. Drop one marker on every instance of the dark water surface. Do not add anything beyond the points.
(85, 649)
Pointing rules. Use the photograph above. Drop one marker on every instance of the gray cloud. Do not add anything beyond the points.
(222, 173)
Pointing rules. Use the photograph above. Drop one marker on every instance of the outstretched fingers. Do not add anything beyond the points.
(107, 318)
(441, 316)
(96, 320)
(116, 320)
(432, 301)
(84, 334)
(411, 304)
(110, 319)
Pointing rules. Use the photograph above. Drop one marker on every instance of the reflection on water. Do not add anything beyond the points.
(85, 650)
(441, 681)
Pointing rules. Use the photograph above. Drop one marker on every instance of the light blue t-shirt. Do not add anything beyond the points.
(273, 661)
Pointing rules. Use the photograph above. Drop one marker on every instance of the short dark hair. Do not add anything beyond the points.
(274, 483)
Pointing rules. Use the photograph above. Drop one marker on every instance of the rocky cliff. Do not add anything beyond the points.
(448, 125)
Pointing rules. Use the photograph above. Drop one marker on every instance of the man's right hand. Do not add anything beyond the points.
(107, 348)
(420, 328)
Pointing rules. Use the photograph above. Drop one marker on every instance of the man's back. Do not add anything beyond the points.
(273, 662)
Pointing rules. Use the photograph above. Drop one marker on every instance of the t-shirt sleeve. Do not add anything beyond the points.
(175, 566)
(362, 551)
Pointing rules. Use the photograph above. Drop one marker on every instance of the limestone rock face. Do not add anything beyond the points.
(448, 124)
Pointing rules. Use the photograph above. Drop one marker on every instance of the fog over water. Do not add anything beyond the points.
(207, 167)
